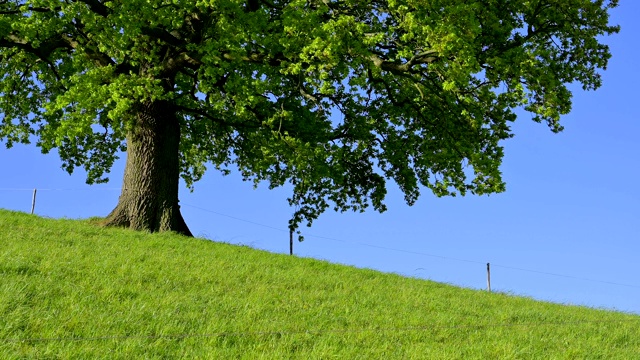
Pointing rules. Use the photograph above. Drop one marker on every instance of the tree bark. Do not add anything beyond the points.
(149, 197)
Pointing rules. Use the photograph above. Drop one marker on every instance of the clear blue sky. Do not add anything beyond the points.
(572, 205)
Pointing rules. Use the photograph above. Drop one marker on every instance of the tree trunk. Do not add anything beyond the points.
(149, 197)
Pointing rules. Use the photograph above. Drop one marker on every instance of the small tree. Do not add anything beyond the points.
(334, 97)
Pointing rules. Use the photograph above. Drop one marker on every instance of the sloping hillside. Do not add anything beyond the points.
(71, 289)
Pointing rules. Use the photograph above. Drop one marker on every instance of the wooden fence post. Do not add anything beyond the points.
(489, 277)
(33, 201)
(290, 242)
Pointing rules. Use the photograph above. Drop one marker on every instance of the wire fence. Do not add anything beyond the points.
(352, 242)
(417, 252)
(428, 327)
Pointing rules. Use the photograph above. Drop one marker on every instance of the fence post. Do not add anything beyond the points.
(290, 242)
(489, 277)
(33, 201)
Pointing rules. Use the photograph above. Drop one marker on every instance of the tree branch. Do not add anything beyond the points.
(43, 51)
(163, 35)
(32, 9)
(97, 7)
(425, 57)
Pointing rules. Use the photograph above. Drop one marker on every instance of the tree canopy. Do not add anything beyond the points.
(333, 97)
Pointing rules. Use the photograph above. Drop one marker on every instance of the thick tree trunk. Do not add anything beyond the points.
(149, 198)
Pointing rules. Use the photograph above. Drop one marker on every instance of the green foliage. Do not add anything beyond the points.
(334, 97)
(81, 291)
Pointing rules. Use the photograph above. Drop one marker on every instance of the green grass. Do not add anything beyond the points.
(72, 290)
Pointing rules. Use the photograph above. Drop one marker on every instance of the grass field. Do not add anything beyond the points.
(72, 290)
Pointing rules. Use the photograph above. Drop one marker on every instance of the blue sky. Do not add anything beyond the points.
(566, 230)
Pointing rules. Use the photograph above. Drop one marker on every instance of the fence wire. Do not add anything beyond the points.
(386, 248)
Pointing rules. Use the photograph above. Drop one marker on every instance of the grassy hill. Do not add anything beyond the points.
(70, 289)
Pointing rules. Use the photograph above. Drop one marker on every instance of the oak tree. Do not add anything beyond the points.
(335, 97)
